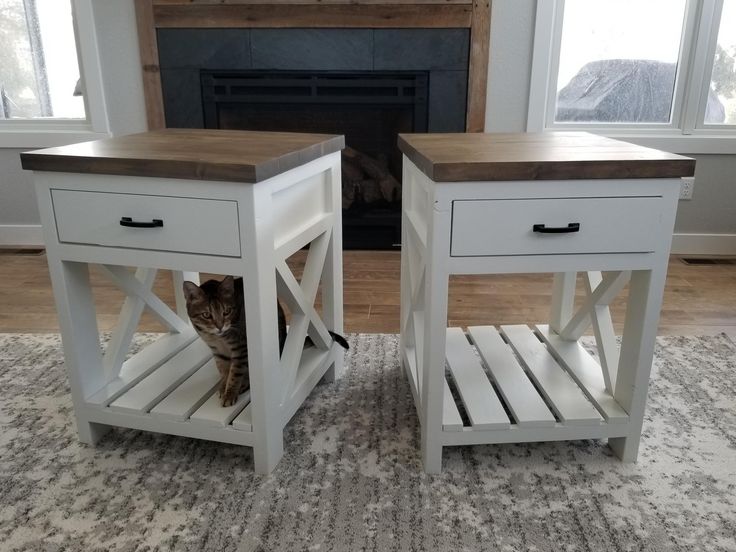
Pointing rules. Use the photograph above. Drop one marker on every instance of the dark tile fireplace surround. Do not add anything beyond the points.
(368, 84)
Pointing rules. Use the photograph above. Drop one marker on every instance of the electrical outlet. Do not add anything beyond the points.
(686, 187)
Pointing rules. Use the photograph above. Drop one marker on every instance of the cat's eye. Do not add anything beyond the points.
(227, 312)
(206, 315)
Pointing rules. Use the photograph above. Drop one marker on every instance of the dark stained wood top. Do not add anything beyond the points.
(537, 156)
(191, 154)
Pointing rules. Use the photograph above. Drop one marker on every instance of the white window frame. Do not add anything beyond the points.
(37, 133)
(686, 133)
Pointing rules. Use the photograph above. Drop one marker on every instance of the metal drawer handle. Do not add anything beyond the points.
(570, 228)
(130, 223)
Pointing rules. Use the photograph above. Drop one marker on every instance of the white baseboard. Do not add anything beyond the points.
(21, 235)
(704, 244)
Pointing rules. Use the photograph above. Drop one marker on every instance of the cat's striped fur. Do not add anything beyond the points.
(216, 311)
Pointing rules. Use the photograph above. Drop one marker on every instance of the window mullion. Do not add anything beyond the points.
(698, 84)
(554, 63)
(547, 38)
(90, 68)
(39, 61)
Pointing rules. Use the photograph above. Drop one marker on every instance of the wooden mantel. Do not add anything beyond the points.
(375, 14)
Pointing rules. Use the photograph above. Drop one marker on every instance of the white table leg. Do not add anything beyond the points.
(405, 307)
(332, 274)
(259, 284)
(435, 335)
(563, 299)
(78, 323)
(637, 350)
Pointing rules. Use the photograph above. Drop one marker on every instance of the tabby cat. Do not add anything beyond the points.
(216, 311)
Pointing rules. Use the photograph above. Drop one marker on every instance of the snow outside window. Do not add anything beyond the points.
(39, 69)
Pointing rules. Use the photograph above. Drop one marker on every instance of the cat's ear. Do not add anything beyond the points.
(191, 291)
(227, 285)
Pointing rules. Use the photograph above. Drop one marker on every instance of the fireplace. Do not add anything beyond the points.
(369, 108)
(368, 84)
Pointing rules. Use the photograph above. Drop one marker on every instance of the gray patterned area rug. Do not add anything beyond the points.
(351, 480)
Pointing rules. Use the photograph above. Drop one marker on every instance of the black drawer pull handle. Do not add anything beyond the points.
(569, 229)
(130, 223)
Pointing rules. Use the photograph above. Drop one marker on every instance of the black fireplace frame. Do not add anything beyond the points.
(316, 87)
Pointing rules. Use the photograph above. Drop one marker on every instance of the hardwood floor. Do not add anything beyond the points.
(699, 299)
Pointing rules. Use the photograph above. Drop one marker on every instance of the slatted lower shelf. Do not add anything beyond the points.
(523, 384)
(172, 386)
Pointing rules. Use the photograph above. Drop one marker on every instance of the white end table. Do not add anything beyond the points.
(226, 202)
(523, 203)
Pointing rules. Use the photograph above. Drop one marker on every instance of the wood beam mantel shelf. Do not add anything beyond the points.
(376, 14)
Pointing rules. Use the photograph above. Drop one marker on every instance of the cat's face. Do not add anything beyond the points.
(212, 307)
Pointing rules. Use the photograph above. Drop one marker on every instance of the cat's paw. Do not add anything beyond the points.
(229, 397)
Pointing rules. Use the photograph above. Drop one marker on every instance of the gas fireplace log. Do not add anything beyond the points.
(351, 172)
(389, 186)
(348, 194)
(351, 175)
(370, 191)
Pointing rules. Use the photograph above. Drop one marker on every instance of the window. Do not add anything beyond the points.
(721, 107)
(618, 68)
(39, 71)
(656, 68)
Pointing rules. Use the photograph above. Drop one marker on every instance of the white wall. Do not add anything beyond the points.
(712, 211)
(18, 212)
(509, 68)
(117, 41)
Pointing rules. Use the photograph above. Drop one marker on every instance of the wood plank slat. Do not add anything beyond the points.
(562, 393)
(526, 405)
(462, 157)
(148, 46)
(586, 372)
(480, 42)
(451, 420)
(308, 2)
(212, 412)
(244, 420)
(376, 16)
(189, 154)
(482, 405)
(142, 364)
(153, 388)
(191, 394)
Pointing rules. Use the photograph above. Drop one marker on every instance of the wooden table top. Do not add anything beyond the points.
(537, 156)
(191, 154)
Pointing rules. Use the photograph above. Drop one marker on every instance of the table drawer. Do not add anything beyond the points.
(188, 225)
(605, 225)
